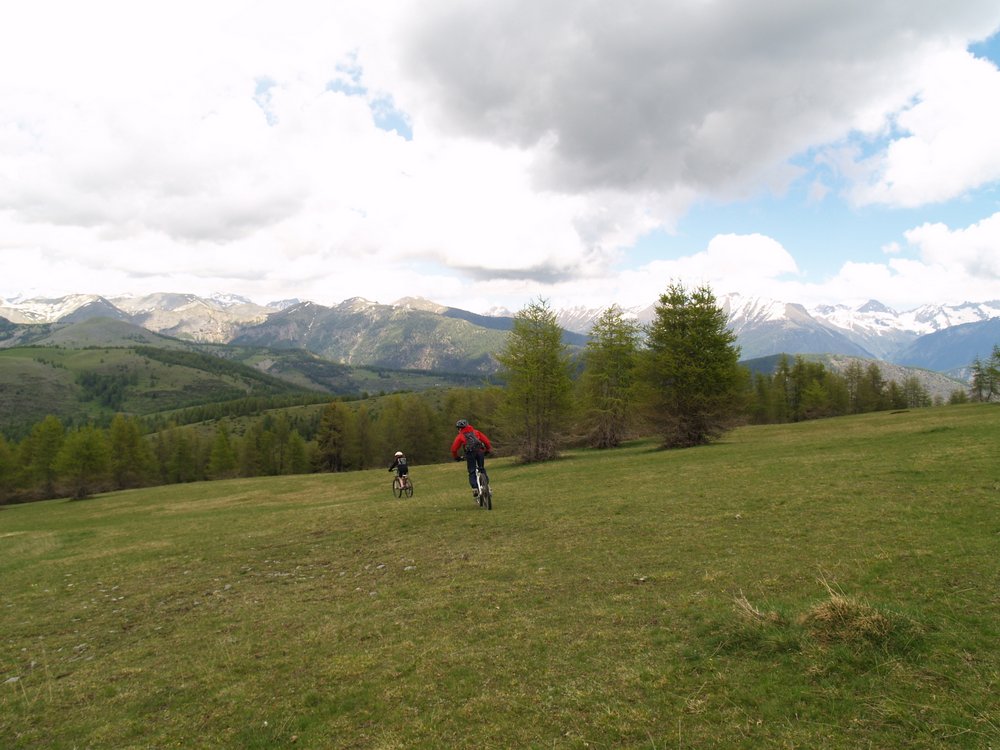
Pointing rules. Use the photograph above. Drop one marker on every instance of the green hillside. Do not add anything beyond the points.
(827, 584)
(92, 369)
(92, 384)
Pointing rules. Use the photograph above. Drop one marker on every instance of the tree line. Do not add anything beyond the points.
(677, 378)
(54, 460)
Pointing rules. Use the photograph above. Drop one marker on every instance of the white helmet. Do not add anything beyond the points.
(399, 453)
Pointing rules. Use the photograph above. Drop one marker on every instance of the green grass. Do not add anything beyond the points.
(829, 584)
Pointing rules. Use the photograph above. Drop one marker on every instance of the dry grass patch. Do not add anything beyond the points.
(752, 613)
(843, 619)
(837, 620)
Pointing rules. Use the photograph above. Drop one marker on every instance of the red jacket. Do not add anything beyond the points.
(459, 442)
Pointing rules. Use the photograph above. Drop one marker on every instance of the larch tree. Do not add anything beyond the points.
(222, 460)
(84, 461)
(333, 436)
(986, 377)
(689, 369)
(131, 456)
(37, 454)
(537, 398)
(606, 385)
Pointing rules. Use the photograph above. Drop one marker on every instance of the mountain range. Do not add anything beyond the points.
(418, 334)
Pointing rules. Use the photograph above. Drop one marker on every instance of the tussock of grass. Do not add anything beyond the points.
(838, 620)
(852, 621)
(843, 619)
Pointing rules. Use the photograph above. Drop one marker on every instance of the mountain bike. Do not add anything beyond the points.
(402, 486)
(484, 495)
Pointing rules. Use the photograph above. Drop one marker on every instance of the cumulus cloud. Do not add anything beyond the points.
(951, 266)
(465, 152)
(656, 95)
(975, 249)
(947, 143)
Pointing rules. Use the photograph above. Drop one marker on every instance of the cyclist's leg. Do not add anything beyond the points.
(470, 462)
(481, 462)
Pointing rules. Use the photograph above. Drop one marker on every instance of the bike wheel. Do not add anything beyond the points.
(409, 488)
(397, 487)
(484, 498)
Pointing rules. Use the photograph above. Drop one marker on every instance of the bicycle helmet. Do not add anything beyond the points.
(461, 423)
(399, 453)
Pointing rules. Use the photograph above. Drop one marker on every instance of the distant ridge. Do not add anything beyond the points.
(418, 333)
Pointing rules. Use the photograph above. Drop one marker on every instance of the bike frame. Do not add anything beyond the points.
(484, 495)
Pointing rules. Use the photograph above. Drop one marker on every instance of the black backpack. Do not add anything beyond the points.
(473, 443)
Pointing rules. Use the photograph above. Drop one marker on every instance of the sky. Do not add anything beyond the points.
(490, 153)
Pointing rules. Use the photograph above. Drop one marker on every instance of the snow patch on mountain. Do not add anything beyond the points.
(283, 304)
(419, 303)
(44, 310)
(760, 323)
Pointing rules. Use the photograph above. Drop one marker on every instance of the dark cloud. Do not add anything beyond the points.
(655, 95)
(545, 274)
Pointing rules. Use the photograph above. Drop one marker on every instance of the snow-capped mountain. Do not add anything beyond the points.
(763, 326)
(886, 333)
(209, 319)
(45, 310)
(871, 330)
(873, 326)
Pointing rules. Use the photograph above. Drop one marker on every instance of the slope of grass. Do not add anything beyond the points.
(826, 584)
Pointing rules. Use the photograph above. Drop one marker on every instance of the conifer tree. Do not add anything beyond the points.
(182, 463)
(854, 375)
(297, 455)
(536, 367)
(38, 454)
(606, 384)
(251, 460)
(332, 438)
(689, 369)
(131, 457)
(222, 459)
(986, 377)
(83, 461)
(871, 389)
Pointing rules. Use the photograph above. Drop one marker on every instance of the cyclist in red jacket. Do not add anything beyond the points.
(475, 445)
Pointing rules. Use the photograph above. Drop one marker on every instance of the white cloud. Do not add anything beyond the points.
(948, 143)
(974, 250)
(729, 263)
(228, 146)
(953, 266)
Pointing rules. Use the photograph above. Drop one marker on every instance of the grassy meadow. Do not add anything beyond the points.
(828, 584)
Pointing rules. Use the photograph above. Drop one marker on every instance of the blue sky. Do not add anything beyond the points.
(821, 232)
(493, 152)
